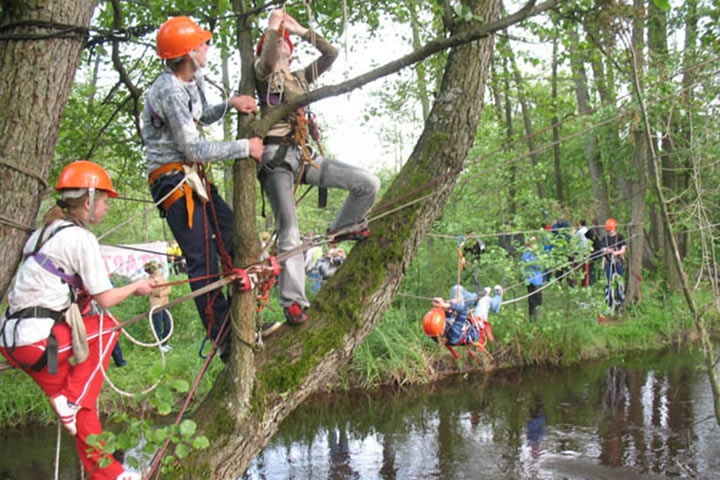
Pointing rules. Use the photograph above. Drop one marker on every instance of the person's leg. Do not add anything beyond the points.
(278, 185)
(458, 292)
(165, 325)
(200, 252)
(198, 247)
(362, 187)
(81, 385)
(117, 355)
(157, 321)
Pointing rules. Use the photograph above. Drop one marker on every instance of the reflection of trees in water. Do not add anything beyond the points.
(645, 415)
(615, 400)
(621, 415)
(339, 447)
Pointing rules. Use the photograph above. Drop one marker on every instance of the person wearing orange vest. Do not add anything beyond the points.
(43, 329)
(176, 152)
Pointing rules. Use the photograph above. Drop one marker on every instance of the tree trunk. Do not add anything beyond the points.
(639, 160)
(38, 60)
(248, 402)
(597, 176)
(527, 121)
(500, 86)
(559, 193)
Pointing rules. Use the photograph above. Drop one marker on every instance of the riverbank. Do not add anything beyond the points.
(571, 328)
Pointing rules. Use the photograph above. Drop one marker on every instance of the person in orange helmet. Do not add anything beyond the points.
(43, 331)
(447, 321)
(175, 107)
(614, 247)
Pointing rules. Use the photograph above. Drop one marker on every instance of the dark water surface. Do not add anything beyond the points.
(639, 418)
(642, 417)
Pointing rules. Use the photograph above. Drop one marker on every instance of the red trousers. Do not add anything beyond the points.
(80, 383)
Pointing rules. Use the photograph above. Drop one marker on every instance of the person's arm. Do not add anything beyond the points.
(182, 128)
(110, 298)
(268, 55)
(328, 55)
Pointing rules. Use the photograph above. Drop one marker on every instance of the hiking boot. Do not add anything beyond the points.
(268, 328)
(295, 315)
(66, 412)
(355, 233)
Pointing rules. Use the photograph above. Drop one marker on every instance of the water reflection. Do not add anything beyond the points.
(647, 417)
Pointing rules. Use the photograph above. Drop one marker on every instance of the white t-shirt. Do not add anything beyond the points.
(582, 239)
(74, 250)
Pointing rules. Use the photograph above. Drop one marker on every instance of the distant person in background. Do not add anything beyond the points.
(176, 261)
(160, 296)
(583, 248)
(533, 273)
(614, 248)
(328, 264)
(595, 238)
(472, 249)
(510, 241)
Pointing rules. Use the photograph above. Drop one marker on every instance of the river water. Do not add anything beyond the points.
(641, 417)
(644, 417)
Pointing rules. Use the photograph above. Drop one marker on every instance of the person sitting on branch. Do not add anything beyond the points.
(288, 160)
(43, 331)
(200, 220)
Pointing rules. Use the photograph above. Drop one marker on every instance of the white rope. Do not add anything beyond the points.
(104, 372)
(57, 450)
(144, 212)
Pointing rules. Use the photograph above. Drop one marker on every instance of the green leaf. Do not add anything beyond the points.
(201, 442)
(182, 450)
(187, 428)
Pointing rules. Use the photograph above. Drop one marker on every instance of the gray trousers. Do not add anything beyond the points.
(278, 183)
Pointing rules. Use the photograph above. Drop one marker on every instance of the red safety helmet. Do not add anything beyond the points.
(434, 322)
(611, 224)
(84, 174)
(179, 36)
(286, 34)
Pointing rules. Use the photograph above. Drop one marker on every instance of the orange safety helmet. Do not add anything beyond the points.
(85, 174)
(434, 322)
(179, 36)
(611, 224)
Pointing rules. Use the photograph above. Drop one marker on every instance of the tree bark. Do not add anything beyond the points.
(527, 121)
(597, 176)
(40, 46)
(639, 161)
(249, 401)
(557, 159)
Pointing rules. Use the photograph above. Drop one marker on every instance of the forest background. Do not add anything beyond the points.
(593, 109)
